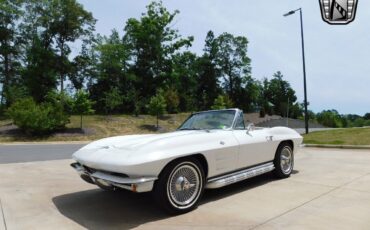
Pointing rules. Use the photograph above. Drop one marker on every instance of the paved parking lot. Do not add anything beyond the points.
(330, 189)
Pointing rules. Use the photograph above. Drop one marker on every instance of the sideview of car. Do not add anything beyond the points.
(211, 149)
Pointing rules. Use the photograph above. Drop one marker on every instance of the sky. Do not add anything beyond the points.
(337, 56)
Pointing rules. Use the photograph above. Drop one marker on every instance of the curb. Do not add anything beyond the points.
(46, 143)
(337, 146)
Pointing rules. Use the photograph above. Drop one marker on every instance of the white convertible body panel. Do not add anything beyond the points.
(144, 156)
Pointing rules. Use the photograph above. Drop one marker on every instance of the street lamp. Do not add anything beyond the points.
(304, 67)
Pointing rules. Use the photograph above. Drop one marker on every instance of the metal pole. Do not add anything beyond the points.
(304, 75)
(287, 114)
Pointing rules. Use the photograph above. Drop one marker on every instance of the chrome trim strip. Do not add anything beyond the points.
(121, 180)
(237, 113)
(239, 176)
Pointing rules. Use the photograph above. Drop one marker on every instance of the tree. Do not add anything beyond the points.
(296, 111)
(208, 75)
(248, 93)
(123, 72)
(82, 104)
(65, 21)
(10, 13)
(232, 60)
(111, 99)
(367, 116)
(183, 79)
(329, 118)
(152, 42)
(219, 103)
(359, 122)
(39, 75)
(279, 92)
(110, 68)
(222, 102)
(83, 68)
(157, 106)
(265, 104)
(47, 30)
(172, 100)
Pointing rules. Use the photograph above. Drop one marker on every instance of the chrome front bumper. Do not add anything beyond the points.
(143, 184)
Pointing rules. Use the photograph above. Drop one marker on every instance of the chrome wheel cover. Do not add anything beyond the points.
(286, 160)
(184, 185)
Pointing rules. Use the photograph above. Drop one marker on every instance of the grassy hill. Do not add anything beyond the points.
(96, 127)
(346, 136)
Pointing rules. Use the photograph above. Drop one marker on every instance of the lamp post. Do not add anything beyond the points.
(304, 67)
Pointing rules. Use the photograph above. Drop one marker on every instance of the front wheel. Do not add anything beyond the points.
(180, 186)
(284, 160)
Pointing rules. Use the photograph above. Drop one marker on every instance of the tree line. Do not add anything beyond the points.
(147, 69)
(331, 118)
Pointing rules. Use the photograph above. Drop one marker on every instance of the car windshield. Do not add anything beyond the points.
(222, 119)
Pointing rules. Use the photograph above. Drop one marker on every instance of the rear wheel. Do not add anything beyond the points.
(284, 160)
(180, 186)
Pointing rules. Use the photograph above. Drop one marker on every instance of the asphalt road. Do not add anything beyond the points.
(36, 152)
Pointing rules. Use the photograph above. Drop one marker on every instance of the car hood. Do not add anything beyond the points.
(136, 149)
(137, 142)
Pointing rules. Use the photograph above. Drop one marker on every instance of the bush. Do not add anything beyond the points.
(62, 99)
(37, 119)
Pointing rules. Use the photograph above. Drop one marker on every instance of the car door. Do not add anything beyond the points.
(255, 146)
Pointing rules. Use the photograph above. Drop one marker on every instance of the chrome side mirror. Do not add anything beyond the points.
(250, 128)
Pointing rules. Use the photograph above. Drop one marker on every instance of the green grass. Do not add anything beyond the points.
(348, 136)
(98, 126)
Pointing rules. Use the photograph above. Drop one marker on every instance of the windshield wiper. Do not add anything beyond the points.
(207, 130)
(190, 129)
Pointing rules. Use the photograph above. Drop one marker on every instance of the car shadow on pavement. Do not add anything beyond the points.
(220, 193)
(98, 209)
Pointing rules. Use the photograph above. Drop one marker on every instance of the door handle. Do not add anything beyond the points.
(269, 138)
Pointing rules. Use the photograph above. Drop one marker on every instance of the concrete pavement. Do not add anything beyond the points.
(330, 189)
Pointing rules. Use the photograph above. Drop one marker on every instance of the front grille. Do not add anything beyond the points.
(88, 169)
(92, 170)
(117, 174)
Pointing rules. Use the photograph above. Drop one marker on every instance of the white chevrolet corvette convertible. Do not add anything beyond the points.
(209, 150)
